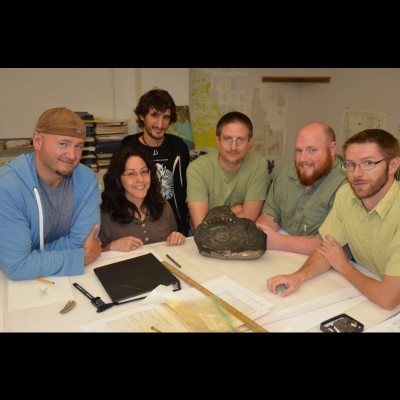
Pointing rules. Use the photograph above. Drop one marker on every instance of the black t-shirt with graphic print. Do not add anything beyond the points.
(171, 159)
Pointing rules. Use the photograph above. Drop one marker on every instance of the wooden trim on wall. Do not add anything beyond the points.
(297, 79)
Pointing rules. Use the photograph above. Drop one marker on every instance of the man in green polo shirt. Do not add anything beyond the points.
(365, 215)
(233, 175)
(302, 194)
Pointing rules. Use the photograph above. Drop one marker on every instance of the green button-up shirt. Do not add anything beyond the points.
(301, 210)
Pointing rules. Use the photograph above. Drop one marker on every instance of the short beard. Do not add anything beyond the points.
(318, 174)
(64, 175)
(375, 186)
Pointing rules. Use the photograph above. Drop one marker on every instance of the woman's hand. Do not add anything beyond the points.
(126, 243)
(175, 239)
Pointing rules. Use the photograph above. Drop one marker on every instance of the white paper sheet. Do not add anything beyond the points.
(31, 293)
(140, 319)
(389, 325)
(243, 299)
(152, 313)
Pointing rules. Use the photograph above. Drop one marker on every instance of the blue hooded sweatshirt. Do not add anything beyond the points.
(20, 253)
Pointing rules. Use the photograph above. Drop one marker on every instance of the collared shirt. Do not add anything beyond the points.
(374, 236)
(301, 210)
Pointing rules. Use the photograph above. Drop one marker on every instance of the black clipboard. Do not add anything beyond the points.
(135, 278)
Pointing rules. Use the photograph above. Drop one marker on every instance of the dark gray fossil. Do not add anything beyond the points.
(223, 235)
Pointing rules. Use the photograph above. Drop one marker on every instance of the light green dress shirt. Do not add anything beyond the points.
(373, 237)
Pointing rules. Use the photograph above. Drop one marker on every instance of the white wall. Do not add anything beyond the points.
(366, 89)
(174, 80)
(110, 93)
(27, 92)
(113, 93)
(124, 86)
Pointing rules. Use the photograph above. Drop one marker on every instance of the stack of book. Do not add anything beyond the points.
(89, 151)
(108, 138)
(85, 115)
(103, 137)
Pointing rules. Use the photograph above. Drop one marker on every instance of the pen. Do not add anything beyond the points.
(177, 264)
(45, 281)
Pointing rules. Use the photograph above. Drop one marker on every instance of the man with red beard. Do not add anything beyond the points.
(365, 216)
(302, 194)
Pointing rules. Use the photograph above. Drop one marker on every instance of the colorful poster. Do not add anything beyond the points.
(183, 126)
(213, 93)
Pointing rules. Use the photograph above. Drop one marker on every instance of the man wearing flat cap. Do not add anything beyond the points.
(49, 203)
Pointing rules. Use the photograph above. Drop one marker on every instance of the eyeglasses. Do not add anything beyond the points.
(367, 164)
(229, 140)
(131, 173)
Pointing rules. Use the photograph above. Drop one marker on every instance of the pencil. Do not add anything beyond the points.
(177, 264)
(45, 281)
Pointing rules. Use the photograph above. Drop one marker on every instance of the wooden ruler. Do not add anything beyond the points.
(234, 311)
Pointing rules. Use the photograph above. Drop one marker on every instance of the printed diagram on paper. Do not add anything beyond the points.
(213, 93)
(355, 121)
(268, 109)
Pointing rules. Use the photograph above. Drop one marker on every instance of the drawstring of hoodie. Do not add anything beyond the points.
(40, 209)
(177, 160)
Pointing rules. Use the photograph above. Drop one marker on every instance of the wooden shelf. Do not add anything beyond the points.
(297, 79)
(10, 154)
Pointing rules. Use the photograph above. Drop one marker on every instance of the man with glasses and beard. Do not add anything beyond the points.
(302, 194)
(49, 214)
(364, 216)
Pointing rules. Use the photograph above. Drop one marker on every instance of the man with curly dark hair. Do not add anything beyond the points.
(155, 112)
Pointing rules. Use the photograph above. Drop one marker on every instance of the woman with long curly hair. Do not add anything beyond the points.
(133, 210)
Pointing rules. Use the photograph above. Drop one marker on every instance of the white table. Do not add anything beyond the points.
(321, 298)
